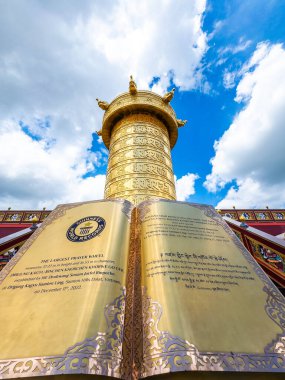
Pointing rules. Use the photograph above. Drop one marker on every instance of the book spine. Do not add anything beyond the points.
(133, 326)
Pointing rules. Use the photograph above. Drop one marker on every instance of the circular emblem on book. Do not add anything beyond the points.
(85, 229)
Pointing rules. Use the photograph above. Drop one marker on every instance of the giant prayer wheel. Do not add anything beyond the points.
(140, 128)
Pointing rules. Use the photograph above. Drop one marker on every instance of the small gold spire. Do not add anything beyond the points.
(168, 96)
(132, 86)
(102, 104)
(181, 123)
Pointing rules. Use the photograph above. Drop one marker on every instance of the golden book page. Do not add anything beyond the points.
(206, 304)
(63, 295)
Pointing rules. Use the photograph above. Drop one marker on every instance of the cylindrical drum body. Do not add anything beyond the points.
(140, 164)
(139, 130)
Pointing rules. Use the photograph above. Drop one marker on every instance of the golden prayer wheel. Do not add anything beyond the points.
(140, 128)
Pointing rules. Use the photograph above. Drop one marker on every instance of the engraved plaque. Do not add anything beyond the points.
(206, 304)
(63, 294)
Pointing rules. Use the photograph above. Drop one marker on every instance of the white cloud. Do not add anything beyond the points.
(252, 150)
(253, 194)
(234, 49)
(38, 177)
(56, 57)
(217, 26)
(229, 78)
(185, 186)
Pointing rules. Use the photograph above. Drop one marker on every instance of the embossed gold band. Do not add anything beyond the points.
(140, 164)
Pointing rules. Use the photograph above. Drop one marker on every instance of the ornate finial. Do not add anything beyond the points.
(132, 86)
(168, 96)
(181, 123)
(242, 218)
(9, 208)
(102, 104)
(99, 133)
(34, 225)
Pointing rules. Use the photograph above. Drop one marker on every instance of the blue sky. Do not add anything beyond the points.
(239, 26)
(225, 58)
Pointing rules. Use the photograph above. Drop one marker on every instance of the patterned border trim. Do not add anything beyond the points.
(275, 303)
(164, 353)
(99, 355)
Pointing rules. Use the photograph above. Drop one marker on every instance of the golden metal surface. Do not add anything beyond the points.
(139, 185)
(140, 167)
(206, 304)
(148, 155)
(63, 294)
(143, 101)
(139, 128)
(140, 162)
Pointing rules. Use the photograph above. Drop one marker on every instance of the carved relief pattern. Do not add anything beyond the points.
(139, 167)
(142, 118)
(164, 352)
(140, 129)
(275, 309)
(139, 163)
(138, 140)
(149, 186)
(140, 124)
(99, 355)
(149, 155)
